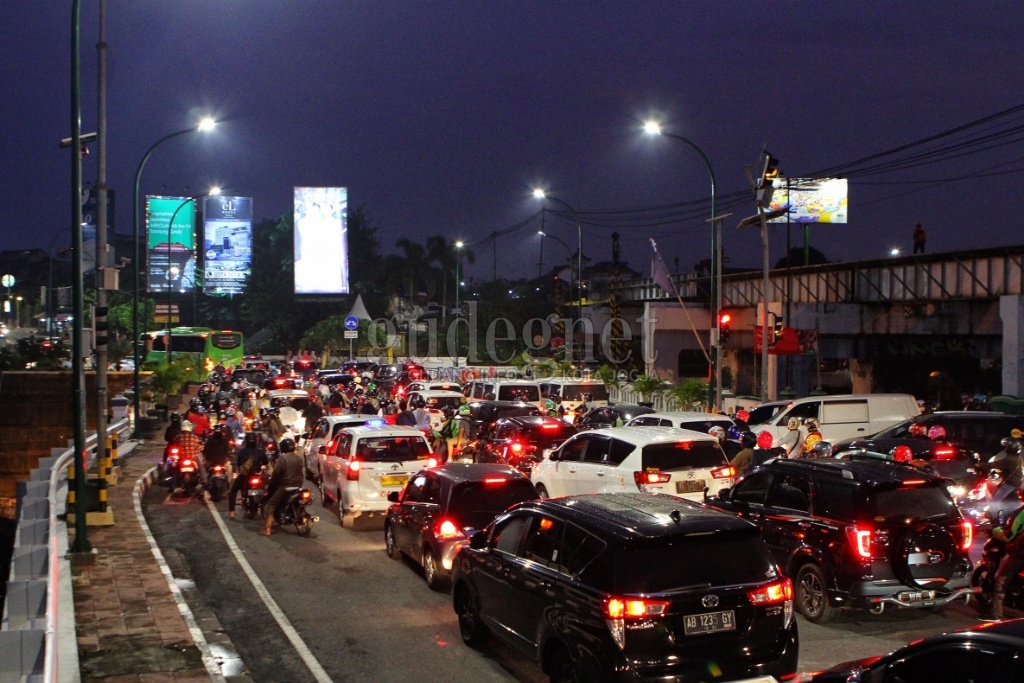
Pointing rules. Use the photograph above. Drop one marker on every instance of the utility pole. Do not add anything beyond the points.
(100, 311)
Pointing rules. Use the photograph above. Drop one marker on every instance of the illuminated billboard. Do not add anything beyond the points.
(321, 244)
(811, 200)
(170, 244)
(227, 244)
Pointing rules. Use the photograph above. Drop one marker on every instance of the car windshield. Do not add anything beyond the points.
(723, 558)
(475, 504)
(574, 392)
(681, 454)
(765, 414)
(439, 402)
(389, 370)
(392, 449)
(914, 502)
(297, 402)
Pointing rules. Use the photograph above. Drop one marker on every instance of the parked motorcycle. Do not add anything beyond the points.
(253, 493)
(217, 482)
(293, 510)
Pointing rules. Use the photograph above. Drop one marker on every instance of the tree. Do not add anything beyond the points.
(411, 271)
(648, 386)
(443, 252)
(689, 394)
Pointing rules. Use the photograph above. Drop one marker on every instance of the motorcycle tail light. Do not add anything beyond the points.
(188, 466)
(352, 472)
(306, 496)
(255, 482)
(860, 539)
(432, 462)
(724, 472)
(646, 477)
(218, 469)
(175, 450)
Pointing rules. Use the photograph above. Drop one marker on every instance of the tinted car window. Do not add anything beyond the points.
(518, 393)
(704, 425)
(596, 450)
(754, 488)
(836, 500)
(579, 549)
(646, 422)
(547, 433)
(543, 541)
(573, 450)
(618, 451)
(506, 534)
(792, 492)
(804, 410)
(726, 558)
(474, 504)
(764, 414)
(299, 403)
(667, 456)
(922, 502)
(516, 411)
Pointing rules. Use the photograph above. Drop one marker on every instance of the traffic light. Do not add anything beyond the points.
(724, 321)
(766, 181)
(778, 329)
(99, 319)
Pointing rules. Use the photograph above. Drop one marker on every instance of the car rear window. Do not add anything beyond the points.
(392, 449)
(674, 562)
(679, 454)
(299, 403)
(549, 432)
(518, 393)
(516, 411)
(913, 502)
(475, 504)
(574, 392)
(442, 401)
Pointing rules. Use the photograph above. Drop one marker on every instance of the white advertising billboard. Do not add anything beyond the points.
(811, 200)
(321, 240)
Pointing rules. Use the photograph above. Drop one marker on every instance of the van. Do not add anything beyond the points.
(504, 390)
(571, 392)
(844, 417)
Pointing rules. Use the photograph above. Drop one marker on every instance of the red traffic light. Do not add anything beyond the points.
(724, 319)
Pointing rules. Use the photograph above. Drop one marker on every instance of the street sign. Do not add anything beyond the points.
(351, 334)
(7, 280)
(351, 323)
(160, 313)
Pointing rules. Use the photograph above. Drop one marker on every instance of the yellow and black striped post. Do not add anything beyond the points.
(71, 486)
(102, 467)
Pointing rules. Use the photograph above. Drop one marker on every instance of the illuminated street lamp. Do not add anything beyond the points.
(204, 125)
(654, 128)
(459, 244)
(541, 194)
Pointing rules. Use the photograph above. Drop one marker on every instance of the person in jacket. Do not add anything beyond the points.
(1012, 533)
(250, 459)
(287, 473)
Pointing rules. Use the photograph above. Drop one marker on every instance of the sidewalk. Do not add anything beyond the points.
(129, 625)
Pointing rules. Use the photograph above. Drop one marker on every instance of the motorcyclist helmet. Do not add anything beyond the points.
(937, 433)
(251, 439)
(793, 424)
(734, 433)
(193, 403)
(230, 412)
(587, 398)
(717, 432)
(742, 415)
(811, 424)
(1011, 445)
(748, 440)
(220, 428)
(175, 417)
(822, 449)
(186, 426)
(448, 412)
(200, 410)
(902, 453)
(419, 402)
(765, 439)
(287, 445)
(549, 405)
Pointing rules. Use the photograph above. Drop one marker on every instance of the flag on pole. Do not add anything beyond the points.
(659, 272)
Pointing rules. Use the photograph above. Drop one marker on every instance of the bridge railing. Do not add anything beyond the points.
(37, 631)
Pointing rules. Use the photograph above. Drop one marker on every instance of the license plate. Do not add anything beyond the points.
(255, 492)
(917, 596)
(690, 486)
(394, 479)
(710, 622)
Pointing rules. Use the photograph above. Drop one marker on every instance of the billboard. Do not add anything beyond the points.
(170, 244)
(321, 244)
(811, 200)
(227, 244)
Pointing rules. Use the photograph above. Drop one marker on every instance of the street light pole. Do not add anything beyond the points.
(458, 285)
(653, 128)
(541, 194)
(206, 124)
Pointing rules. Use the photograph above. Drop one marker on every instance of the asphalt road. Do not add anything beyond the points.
(366, 617)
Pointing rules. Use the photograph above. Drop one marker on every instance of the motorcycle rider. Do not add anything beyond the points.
(190, 447)
(1012, 533)
(287, 473)
(744, 459)
(251, 458)
(173, 429)
(812, 439)
(312, 413)
(793, 439)
(273, 425)
(217, 451)
(235, 428)
(1008, 461)
(201, 424)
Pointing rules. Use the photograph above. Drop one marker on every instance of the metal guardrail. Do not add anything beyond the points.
(37, 639)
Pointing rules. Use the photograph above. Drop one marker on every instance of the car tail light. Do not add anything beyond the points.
(494, 481)
(446, 530)
(968, 531)
(943, 453)
(431, 462)
(772, 593)
(255, 482)
(550, 425)
(642, 478)
(723, 472)
(619, 609)
(352, 473)
(860, 539)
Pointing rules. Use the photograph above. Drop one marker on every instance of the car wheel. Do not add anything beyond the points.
(389, 543)
(812, 595)
(430, 570)
(470, 626)
(542, 492)
(323, 491)
(561, 668)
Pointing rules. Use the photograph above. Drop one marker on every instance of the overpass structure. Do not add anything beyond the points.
(927, 324)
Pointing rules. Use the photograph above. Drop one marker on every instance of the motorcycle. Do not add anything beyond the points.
(253, 492)
(217, 482)
(188, 476)
(992, 497)
(984, 575)
(293, 510)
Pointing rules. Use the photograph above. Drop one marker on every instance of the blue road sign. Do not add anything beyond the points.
(351, 323)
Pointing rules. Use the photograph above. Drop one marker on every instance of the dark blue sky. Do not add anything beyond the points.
(440, 116)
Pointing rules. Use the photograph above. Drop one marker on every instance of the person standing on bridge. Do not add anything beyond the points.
(919, 239)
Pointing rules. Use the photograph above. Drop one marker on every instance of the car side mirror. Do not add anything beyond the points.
(478, 540)
(395, 497)
(723, 494)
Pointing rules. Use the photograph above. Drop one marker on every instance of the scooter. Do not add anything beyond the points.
(984, 575)
(188, 476)
(293, 510)
(217, 482)
(253, 493)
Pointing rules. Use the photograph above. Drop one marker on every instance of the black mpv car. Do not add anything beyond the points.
(628, 587)
(857, 533)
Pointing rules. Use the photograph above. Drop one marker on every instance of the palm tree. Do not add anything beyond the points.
(446, 256)
(411, 270)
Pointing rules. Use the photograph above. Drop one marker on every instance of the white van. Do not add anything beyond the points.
(504, 390)
(844, 417)
(571, 392)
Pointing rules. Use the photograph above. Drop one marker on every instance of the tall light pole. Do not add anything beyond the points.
(654, 128)
(204, 125)
(459, 244)
(541, 194)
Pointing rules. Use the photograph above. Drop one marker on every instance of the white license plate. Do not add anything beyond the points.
(690, 486)
(709, 622)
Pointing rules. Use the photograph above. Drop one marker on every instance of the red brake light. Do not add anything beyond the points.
(550, 425)
(517, 447)
(861, 541)
(642, 478)
(968, 535)
(491, 481)
(352, 474)
(723, 472)
(306, 494)
(943, 453)
(447, 530)
(175, 450)
(255, 481)
(772, 593)
(914, 482)
(634, 608)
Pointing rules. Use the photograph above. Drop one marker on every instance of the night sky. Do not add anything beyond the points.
(441, 116)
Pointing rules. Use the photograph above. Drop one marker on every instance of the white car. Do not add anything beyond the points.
(646, 459)
(317, 441)
(367, 463)
(432, 385)
(290, 403)
(694, 421)
(436, 401)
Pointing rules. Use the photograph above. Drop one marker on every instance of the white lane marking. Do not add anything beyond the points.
(289, 631)
(209, 661)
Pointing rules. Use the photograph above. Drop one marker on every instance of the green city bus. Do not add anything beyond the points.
(205, 348)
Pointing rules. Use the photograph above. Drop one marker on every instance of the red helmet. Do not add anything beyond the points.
(765, 440)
